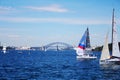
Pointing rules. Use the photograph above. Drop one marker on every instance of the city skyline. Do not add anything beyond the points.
(37, 23)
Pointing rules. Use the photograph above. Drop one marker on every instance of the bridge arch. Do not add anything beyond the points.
(58, 46)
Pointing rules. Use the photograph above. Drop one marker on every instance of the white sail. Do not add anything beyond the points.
(105, 51)
(115, 47)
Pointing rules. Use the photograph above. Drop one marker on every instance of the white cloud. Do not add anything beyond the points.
(54, 20)
(50, 8)
(14, 36)
(4, 9)
(11, 36)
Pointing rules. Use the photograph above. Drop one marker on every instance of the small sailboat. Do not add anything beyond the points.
(4, 49)
(114, 59)
(84, 50)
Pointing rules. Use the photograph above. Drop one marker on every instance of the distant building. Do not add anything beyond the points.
(23, 48)
(35, 48)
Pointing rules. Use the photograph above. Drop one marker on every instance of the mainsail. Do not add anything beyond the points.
(115, 48)
(87, 39)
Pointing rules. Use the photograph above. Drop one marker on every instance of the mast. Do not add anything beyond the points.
(113, 23)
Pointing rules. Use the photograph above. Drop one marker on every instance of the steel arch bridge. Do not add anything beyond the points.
(58, 46)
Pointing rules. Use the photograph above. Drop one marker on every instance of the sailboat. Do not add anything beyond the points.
(4, 49)
(84, 50)
(114, 59)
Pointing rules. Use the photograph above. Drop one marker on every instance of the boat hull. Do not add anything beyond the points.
(86, 57)
(110, 62)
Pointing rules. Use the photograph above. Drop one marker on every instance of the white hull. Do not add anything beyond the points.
(86, 57)
(109, 64)
(114, 61)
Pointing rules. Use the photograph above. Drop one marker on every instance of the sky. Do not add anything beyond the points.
(40, 22)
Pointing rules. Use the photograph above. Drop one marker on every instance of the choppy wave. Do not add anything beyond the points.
(52, 65)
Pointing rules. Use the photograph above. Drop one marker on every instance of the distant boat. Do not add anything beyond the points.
(4, 49)
(84, 50)
(114, 59)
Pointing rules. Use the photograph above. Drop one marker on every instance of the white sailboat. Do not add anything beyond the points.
(84, 50)
(114, 59)
(4, 49)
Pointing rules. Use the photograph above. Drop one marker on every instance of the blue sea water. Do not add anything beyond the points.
(52, 65)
